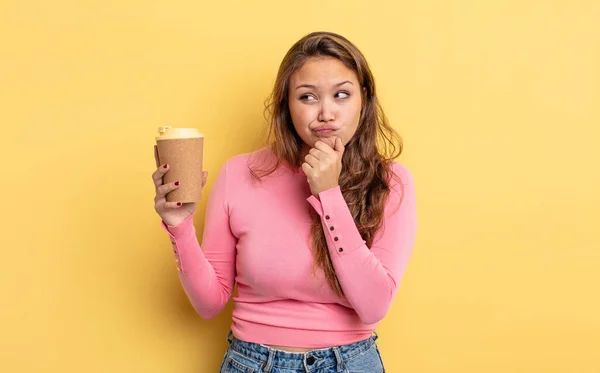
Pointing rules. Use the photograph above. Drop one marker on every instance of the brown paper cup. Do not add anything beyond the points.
(182, 150)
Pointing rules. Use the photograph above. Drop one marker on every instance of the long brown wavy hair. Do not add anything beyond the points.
(366, 163)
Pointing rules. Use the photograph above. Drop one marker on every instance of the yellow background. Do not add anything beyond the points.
(499, 106)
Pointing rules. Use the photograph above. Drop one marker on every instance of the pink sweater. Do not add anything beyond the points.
(257, 235)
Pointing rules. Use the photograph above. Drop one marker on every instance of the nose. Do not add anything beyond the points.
(326, 113)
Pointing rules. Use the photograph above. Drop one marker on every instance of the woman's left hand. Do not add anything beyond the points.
(323, 165)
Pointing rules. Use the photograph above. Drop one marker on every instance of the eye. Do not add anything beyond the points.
(307, 97)
(342, 95)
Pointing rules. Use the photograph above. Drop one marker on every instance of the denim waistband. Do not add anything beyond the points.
(309, 361)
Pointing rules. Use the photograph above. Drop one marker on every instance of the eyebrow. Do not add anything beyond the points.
(313, 87)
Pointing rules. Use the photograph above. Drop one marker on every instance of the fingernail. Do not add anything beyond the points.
(177, 183)
(165, 166)
(178, 203)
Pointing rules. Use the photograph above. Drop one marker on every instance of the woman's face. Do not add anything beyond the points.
(325, 101)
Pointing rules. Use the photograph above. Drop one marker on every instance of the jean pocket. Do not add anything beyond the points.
(234, 362)
(367, 362)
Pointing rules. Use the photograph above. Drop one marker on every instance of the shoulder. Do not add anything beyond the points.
(400, 175)
(401, 184)
(240, 165)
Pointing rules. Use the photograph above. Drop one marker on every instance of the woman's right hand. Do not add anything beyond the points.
(172, 213)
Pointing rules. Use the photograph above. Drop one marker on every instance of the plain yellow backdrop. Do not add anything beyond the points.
(499, 106)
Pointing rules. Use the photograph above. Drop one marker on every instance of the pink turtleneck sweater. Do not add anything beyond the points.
(257, 235)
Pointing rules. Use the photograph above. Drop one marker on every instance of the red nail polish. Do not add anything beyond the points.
(165, 166)
(177, 183)
(178, 203)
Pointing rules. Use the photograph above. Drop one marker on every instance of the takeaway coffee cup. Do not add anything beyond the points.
(182, 149)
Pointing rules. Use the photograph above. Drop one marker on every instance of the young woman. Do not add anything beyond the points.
(315, 229)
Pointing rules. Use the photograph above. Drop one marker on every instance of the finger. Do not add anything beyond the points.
(316, 153)
(339, 145)
(325, 148)
(163, 190)
(311, 160)
(307, 169)
(157, 176)
(173, 205)
(204, 178)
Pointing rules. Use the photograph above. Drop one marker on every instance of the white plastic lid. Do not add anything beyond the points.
(168, 132)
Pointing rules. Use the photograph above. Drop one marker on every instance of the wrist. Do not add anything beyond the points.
(324, 189)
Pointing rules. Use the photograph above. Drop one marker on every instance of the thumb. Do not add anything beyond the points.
(339, 146)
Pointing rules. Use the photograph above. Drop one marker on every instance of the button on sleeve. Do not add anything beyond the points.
(338, 223)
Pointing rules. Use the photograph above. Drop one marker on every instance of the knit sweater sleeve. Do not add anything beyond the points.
(207, 273)
(370, 276)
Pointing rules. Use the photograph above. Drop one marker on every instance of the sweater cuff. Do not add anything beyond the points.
(182, 230)
(338, 223)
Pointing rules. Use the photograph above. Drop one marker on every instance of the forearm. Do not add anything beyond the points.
(369, 276)
(207, 293)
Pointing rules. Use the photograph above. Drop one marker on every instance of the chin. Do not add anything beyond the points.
(330, 140)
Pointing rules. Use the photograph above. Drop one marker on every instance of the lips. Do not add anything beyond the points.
(324, 130)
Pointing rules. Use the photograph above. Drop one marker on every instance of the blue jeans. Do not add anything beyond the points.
(247, 357)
